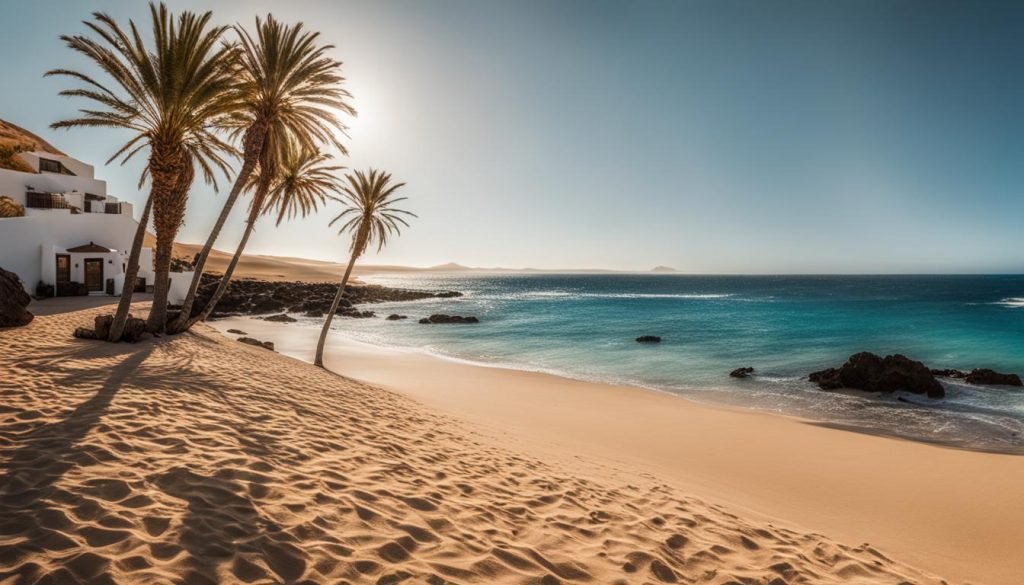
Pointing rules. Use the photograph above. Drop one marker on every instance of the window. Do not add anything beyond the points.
(50, 166)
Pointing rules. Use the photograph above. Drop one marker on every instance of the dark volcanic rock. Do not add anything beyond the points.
(741, 372)
(134, 329)
(985, 377)
(252, 341)
(13, 301)
(265, 304)
(237, 332)
(313, 299)
(84, 333)
(648, 339)
(394, 317)
(355, 313)
(437, 319)
(981, 376)
(867, 371)
(947, 373)
(282, 318)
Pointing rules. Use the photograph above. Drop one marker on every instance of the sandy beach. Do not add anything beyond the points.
(199, 459)
(958, 513)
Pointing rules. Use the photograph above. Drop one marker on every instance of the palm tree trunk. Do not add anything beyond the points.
(157, 321)
(131, 275)
(254, 140)
(222, 287)
(168, 215)
(319, 359)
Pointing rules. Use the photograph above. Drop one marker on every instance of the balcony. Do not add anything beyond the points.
(88, 203)
(37, 200)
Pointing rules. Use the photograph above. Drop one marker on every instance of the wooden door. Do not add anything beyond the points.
(94, 274)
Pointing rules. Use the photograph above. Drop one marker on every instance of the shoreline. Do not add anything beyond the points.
(710, 395)
(913, 499)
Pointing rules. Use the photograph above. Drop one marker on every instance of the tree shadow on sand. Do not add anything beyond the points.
(45, 455)
(221, 526)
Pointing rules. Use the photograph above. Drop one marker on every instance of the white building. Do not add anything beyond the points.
(73, 234)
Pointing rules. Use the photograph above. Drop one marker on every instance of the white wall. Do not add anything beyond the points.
(21, 249)
(28, 244)
(74, 165)
(180, 281)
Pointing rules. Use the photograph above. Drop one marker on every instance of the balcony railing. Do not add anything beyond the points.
(42, 200)
(36, 200)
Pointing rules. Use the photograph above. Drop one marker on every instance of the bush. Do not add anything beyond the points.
(43, 290)
(8, 208)
(72, 289)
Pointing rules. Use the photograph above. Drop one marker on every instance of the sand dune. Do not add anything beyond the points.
(280, 268)
(274, 268)
(197, 459)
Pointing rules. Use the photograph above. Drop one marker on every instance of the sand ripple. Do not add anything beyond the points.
(201, 460)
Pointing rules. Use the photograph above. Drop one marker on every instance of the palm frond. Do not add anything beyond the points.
(369, 212)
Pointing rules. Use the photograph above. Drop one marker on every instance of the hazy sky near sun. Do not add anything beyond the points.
(717, 136)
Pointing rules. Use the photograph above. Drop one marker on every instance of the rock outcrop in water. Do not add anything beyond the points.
(981, 376)
(313, 299)
(867, 371)
(436, 319)
(648, 339)
(742, 373)
(13, 301)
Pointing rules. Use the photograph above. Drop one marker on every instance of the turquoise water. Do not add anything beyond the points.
(584, 326)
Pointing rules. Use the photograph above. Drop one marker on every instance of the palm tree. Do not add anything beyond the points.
(372, 219)
(289, 86)
(168, 93)
(300, 180)
(305, 181)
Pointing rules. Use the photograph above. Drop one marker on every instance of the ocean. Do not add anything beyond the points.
(584, 326)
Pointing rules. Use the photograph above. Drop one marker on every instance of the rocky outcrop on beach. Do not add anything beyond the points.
(394, 317)
(256, 342)
(867, 371)
(134, 329)
(742, 373)
(260, 297)
(648, 339)
(280, 318)
(987, 377)
(13, 301)
(436, 319)
(981, 376)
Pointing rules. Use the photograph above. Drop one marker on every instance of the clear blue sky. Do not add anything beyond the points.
(718, 136)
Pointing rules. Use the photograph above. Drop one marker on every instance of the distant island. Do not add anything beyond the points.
(663, 269)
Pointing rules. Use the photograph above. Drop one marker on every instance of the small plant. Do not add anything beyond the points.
(8, 207)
